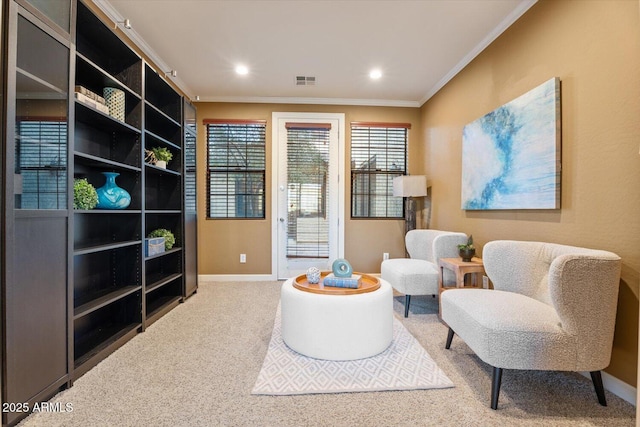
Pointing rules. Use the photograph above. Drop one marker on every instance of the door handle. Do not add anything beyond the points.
(281, 219)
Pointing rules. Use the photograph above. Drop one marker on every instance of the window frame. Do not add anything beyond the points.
(355, 173)
(229, 170)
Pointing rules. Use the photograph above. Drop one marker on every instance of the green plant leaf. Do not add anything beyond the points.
(84, 194)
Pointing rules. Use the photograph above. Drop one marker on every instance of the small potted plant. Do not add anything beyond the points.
(84, 194)
(467, 250)
(169, 238)
(158, 156)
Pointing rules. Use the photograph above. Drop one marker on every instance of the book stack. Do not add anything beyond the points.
(342, 282)
(91, 99)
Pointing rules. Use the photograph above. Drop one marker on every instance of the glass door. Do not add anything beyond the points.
(36, 210)
(309, 199)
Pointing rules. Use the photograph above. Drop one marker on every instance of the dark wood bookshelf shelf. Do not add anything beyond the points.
(153, 136)
(160, 307)
(107, 211)
(101, 163)
(105, 247)
(156, 169)
(165, 253)
(94, 343)
(152, 140)
(101, 301)
(99, 120)
(162, 113)
(162, 211)
(156, 281)
(98, 77)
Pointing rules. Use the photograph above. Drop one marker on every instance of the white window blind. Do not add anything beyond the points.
(378, 154)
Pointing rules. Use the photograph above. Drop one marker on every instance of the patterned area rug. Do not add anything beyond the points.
(405, 365)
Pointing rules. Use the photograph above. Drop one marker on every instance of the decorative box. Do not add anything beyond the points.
(86, 100)
(86, 92)
(153, 246)
(102, 108)
(91, 99)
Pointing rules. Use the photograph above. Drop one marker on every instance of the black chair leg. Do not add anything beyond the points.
(596, 377)
(496, 380)
(449, 339)
(407, 300)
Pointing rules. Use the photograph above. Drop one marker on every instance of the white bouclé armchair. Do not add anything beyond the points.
(418, 275)
(553, 307)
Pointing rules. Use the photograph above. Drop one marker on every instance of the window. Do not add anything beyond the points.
(41, 163)
(235, 168)
(378, 154)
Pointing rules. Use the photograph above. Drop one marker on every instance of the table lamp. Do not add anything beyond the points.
(410, 186)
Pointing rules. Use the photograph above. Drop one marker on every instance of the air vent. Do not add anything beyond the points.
(305, 81)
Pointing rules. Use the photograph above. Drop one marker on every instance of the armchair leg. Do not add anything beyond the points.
(596, 377)
(407, 300)
(449, 339)
(496, 381)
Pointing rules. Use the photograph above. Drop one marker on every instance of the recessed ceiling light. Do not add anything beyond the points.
(375, 74)
(242, 70)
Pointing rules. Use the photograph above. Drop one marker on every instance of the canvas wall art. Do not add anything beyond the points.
(511, 156)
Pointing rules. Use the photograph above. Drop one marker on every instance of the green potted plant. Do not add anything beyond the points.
(158, 156)
(467, 250)
(84, 194)
(169, 238)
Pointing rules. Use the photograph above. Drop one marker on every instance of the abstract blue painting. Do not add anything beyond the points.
(511, 156)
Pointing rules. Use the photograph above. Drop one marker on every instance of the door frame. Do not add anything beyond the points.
(300, 116)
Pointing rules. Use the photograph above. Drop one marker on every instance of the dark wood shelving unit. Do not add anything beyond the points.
(110, 270)
(78, 284)
(164, 287)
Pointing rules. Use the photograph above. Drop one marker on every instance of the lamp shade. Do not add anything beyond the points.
(410, 186)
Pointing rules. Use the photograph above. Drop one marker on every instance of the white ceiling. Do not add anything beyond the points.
(418, 45)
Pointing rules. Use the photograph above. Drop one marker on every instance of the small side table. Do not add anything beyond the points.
(460, 269)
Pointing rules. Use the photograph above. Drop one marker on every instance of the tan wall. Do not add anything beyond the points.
(594, 48)
(221, 241)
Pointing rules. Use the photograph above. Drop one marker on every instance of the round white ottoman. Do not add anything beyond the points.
(337, 327)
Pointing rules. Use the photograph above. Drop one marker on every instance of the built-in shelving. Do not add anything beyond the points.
(116, 288)
(99, 288)
(164, 286)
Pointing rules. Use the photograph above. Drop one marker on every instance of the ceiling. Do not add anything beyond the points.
(417, 45)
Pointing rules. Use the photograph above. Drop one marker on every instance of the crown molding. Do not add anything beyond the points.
(315, 101)
(499, 29)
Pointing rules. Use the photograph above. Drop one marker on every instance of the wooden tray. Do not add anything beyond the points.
(367, 284)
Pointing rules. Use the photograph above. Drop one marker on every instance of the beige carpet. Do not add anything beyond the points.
(404, 365)
(197, 366)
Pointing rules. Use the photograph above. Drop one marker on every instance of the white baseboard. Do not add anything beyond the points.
(236, 277)
(618, 387)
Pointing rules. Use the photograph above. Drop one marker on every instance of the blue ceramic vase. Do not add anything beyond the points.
(110, 196)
